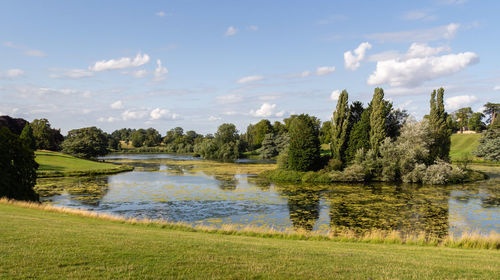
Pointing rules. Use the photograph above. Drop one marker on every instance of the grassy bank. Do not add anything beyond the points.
(50, 244)
(53, 164)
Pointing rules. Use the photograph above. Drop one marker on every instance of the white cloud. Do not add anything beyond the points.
(231, 30)
(352, 61)
(139, 73)
(250, 79)
(213, 118)
(496, 88)
(108, 119)
(415, 50)
(71, 73)
(158, 113)
(117, 105)
(304, 74)
(26, 50)
(422, 15)
(229, 98)
(161, 14)
(457, 102)
(121, 63)
(160, 71)
(34, 53)
(133, 115)
(267, 110)
(418, 66)
(253, 28)
(12, 73)
(421, 35)
(334, 96)
(324, 70)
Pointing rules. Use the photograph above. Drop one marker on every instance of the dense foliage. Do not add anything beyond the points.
(225, 145)
(46, 137)
(489, 145)
(440, 128)
(340, 125)
(17, 167)
(88, 142)
(304, 147)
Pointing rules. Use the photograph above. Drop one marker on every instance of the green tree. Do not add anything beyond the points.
(463, 115)
(325, 133)
(88, 142)
(440, 128)
(340, 124)
(489, 145)
(377, 120)
(17, 167)
(27, 136)
(476, 122)
(359, 137)
(304, 147)
(137, 137)
(46, 138)
(492, 111)
(152, 137)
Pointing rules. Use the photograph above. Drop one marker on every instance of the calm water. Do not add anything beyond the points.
(181, 188)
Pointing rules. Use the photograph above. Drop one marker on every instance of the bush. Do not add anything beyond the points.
(334, 164)
(441, 173)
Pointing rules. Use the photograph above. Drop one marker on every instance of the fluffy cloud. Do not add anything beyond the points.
(160, 71)
(457, 102)
(12, 73)
(108, 119)
(231, 30)
(117, 105)
(446, 32)
(139, 73)
(133, 115)
(121, 63)
(158, 113)
(496, 88)
(334, 96)
(267, 110)
(324, 70)
(71, 73)
(418, 66)
(352, 61)
(250, 79)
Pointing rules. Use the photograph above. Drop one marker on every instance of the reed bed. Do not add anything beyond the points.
(473, 240)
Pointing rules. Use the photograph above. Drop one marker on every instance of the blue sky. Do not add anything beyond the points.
(198, 64)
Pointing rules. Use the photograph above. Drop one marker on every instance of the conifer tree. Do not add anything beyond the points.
(340, 124)
(439, 127)
(359, 136)
(377, 120)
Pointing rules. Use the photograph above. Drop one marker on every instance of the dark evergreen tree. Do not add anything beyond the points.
(440, 128)
(340, 124)
(304, 147)
(377, 120)
(17, 167)
(359, 137)
(492, 111)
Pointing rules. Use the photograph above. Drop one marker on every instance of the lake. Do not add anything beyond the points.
(195, 191)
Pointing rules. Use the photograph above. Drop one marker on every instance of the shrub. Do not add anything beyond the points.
(441, 173)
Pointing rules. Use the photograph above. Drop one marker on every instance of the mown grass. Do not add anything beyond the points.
(54, 164)
(462, 147)
(60, 244)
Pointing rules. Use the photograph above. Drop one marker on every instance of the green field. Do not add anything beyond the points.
(43, 244)
(463, 144)
(58, 164)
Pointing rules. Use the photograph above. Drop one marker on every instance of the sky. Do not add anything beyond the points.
(198, 64)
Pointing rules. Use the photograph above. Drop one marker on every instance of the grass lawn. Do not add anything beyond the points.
(53, 164)
(48, 245)
(462, 144)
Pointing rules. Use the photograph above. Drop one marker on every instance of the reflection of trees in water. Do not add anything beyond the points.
(227, 182)
(488, 193)
(85, 190)
(260, 183)
(303, 205)
(407, 209)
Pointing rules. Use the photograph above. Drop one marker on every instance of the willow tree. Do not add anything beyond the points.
(377, 119)
(340, 124)
(440, 129)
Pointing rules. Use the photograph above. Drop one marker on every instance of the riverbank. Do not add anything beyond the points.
(54, 164)
(45, 244)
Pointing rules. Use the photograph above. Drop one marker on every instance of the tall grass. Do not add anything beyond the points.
(466, 240)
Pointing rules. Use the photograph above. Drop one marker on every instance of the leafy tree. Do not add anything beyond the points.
(463, 115)
(304, 148)
(273, 144)
(261, 128)
(279, 128)
(152, 137)
(476, 123)
(359, 137)
(340, 124)
(46, 137)
(492, 110)
(17, 167)
(395, 120)
(225, 145)
(325, 133)
(27, 136)
(377, 119)
(137, 137)
(88, 142)
(489, 145)
(440, 128)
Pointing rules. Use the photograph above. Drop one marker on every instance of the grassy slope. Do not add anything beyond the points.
(462, 144)
(42, 244)
(53, 162)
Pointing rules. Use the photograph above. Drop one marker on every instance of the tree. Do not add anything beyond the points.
(359, 137)
(273, 144)
(377, 120)
(27, 136)
(261, 128)
(88, 142)
(463, 115)
(395, 120)
(325, 133)
(152, 137)
(304, 148)
(225, 145)
(137, 137)
(46, 137)
(440, 128)
(489, 145)
(475, 122)
(17, 167)
(340, 124)
(492, 110)
(279, 128)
